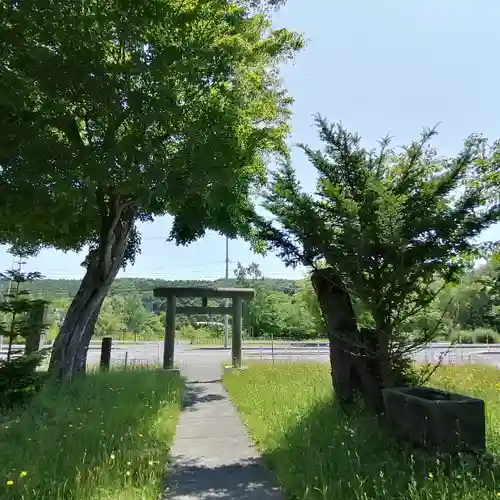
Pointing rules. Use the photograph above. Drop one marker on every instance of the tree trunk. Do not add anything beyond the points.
(104, 263)
(383, 332)
(368, 367)
(341, 325)
(353, 358)
(81, 361)
(9, 349)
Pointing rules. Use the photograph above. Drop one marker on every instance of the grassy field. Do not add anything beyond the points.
(318, 453)
(105, 439)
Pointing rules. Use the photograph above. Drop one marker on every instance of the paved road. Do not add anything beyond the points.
(149, 353)
(152, 353)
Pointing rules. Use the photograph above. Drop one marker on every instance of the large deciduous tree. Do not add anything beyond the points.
(387, 224)
(114, 112)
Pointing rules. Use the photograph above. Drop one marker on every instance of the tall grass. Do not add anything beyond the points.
(319, 453)
(105, 438)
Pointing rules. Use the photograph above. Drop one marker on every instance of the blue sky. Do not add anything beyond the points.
(389, 66)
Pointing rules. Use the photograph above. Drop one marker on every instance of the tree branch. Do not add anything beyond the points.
(114, 125)
(68, 126)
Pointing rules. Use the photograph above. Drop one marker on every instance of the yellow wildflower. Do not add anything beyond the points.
(23, 474)
(10, 483)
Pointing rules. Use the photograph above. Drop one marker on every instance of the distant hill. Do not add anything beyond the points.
(65, 288)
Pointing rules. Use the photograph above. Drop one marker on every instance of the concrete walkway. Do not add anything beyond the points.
(212, 455)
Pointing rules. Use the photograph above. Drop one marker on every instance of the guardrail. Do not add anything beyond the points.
(118, 343)
(129, 350)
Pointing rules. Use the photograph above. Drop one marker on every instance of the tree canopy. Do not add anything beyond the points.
(118, 112)
(165, 106)
(388, 224)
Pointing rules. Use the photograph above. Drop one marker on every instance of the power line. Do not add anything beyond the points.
(62, 275)
(177, 266)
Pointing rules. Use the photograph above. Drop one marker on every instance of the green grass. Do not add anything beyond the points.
(249, 340)
(105, 438)
(319, 453)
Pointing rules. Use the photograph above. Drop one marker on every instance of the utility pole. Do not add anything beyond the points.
(20, 264)
(8, 293)
(10, 281)
(226, 301)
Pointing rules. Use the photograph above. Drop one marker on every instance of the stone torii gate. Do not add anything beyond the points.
(237, 296)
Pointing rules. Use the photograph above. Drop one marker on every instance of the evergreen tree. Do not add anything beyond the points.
(17, 306)
(20, 316)
(387, 224)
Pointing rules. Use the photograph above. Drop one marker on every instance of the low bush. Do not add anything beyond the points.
(486, 336)
(478, 336)
(463, 337)
(20, 380)
(200, 335)
(17, 341)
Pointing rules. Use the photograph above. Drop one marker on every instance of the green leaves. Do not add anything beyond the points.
(20, 314)
(173, 106)
(388, 222)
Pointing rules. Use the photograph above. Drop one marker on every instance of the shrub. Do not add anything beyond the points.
(478, 336)
(19, 379)
(405, 372)
(462, 336)
(187, 331)
(486, 336)
(194, 334)
(17, 341)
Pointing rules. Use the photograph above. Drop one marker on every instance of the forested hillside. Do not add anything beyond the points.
(131, 310)
(68, 287)
(468, 311)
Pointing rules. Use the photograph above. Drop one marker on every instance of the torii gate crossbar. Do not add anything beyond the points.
(237, 296)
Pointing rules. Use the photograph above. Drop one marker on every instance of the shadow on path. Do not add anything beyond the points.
(212, 456)
(240, 481)
(195, 394)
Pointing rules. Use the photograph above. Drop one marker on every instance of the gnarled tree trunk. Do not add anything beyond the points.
(353, 358)
(341, 328)
(104, 263)
(81, 361)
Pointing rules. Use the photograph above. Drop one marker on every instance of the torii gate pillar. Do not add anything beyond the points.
(237, 295)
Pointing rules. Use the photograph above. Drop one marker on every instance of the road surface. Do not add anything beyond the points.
(149, 353)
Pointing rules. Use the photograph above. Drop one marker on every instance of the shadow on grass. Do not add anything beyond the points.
(329, 456)
(106, 437)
